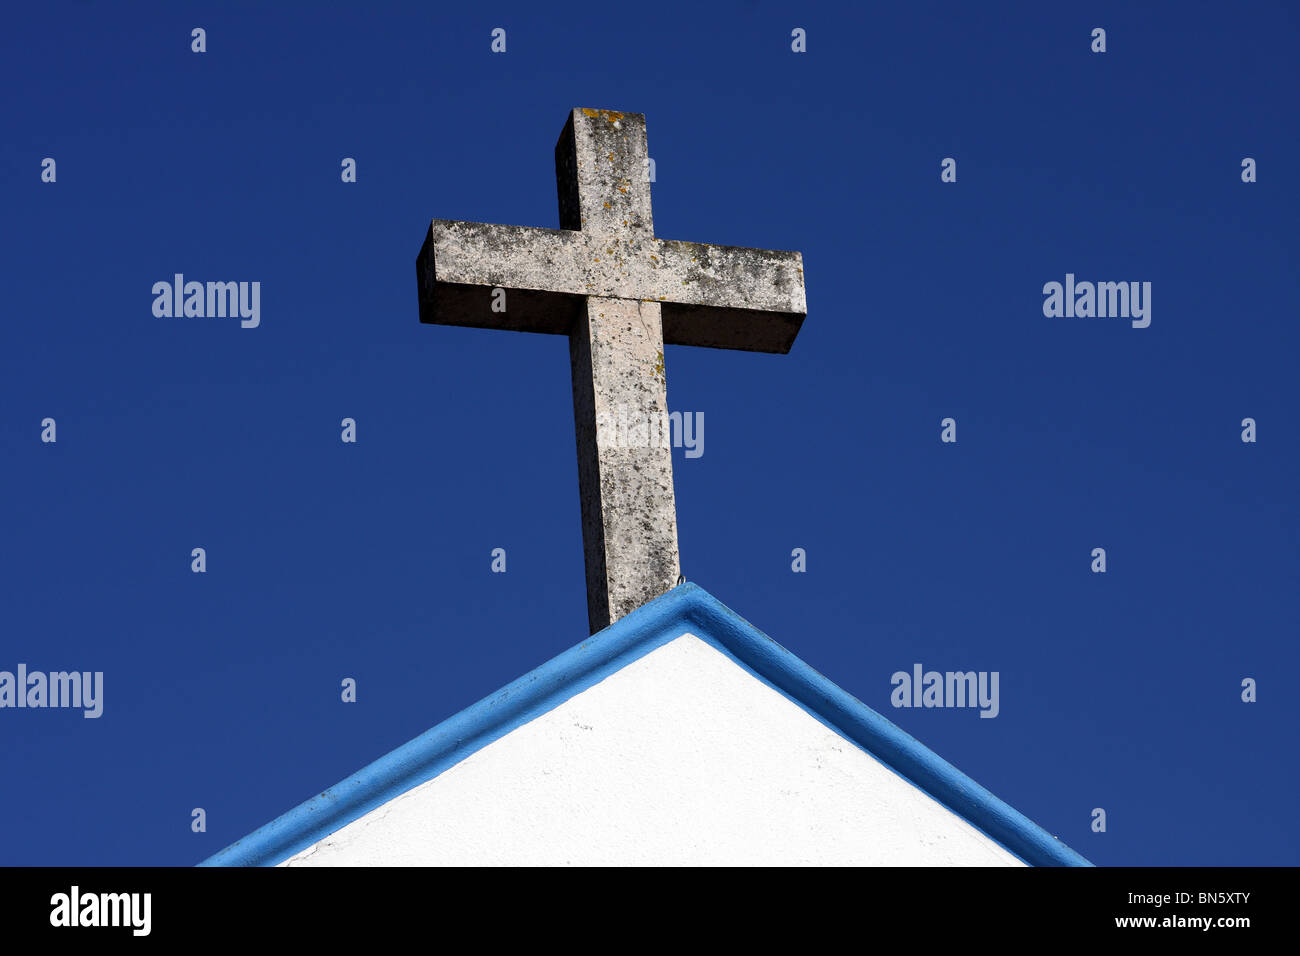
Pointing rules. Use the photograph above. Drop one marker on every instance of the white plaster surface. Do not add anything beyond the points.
(681, 758)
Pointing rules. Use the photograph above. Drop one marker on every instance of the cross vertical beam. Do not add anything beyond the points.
(600, 163)
(625, 465)
(616, 353)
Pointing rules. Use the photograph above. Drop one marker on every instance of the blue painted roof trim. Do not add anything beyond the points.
(685, 608)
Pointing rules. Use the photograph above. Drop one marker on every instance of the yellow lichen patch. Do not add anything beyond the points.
(607, 115)
(611, 157)
(622, 189)
(607, 206)
(659, 365)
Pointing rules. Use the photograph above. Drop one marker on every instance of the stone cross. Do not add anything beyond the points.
(620, 295)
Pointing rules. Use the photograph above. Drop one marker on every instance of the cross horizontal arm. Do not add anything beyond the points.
(461, 263)
(729, 297)
(716, 296)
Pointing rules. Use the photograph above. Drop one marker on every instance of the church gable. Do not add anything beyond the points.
(680, 758)
(679, 735)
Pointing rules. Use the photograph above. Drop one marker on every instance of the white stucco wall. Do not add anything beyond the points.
(680, 758)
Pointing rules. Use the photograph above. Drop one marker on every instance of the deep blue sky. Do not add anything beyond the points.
(371, 560)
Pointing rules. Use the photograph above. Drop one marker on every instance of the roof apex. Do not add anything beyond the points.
(687, 607)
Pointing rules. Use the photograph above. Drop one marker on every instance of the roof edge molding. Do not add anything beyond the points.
(684, 608)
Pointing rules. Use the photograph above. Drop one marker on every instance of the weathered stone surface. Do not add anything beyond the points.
(625, 478)
(619, 293)
(599, 173)
(708, 281)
